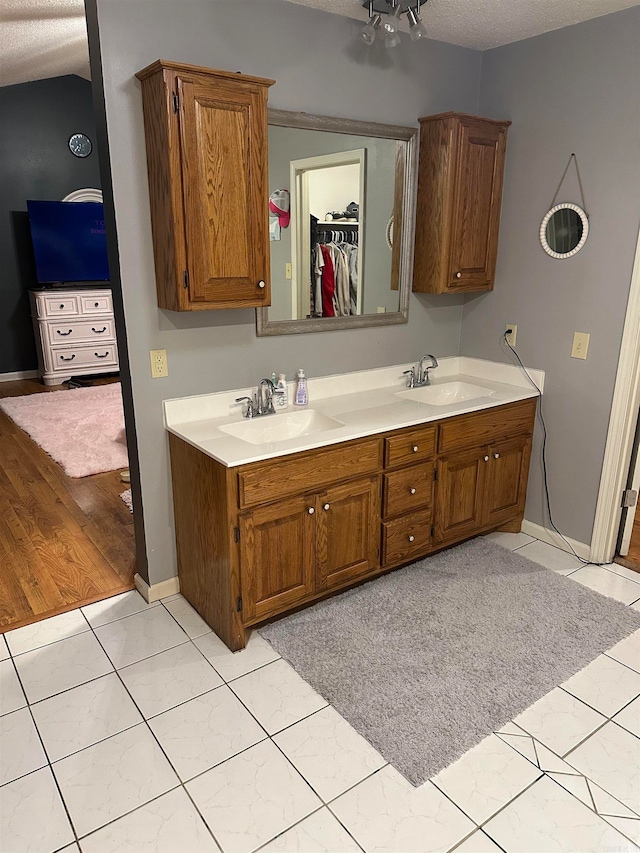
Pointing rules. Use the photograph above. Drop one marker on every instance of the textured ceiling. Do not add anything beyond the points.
(47, 38)
(482, 24)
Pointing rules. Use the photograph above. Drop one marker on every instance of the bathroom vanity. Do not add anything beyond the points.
(377, 476)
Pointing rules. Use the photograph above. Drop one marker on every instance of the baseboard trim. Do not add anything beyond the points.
(549, 536)
(18, 374)
(157, 590)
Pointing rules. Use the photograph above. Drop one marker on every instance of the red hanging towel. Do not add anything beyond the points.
(328, 283)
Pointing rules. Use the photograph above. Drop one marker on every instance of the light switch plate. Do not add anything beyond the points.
(159, 366)
(287, 270)
(580, 346)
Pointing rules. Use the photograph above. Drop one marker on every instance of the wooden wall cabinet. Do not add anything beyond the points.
(460, 176)
(261, 539)
(206, 140)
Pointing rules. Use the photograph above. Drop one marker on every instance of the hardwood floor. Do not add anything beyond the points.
(63, 542)
(632, 559)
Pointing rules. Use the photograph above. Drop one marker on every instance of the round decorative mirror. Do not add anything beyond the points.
(564, 230)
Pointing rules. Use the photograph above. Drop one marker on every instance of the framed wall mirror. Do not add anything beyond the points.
(340, 263)
(564, 230)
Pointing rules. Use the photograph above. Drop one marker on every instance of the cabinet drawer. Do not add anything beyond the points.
(84, 356)
(97, 303)
(86, 330)
(408, 489)
(406, 537)
(302, 473)
(411, 445)
(478, 428)
(57, 306)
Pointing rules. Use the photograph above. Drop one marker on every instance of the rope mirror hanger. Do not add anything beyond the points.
(565, 227)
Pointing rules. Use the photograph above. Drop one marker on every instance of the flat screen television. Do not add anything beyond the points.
(69, 241)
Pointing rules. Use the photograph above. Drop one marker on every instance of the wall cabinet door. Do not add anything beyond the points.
(348, 532)
(506, 484)
(206, 140)
(277, 557)
(459, 495)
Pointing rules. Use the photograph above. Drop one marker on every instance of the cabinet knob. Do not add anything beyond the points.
(96, 304)
(415, 448)
(412, 491)
(411, 538)
(326, 506)
(261, 285)
(311, 510)
(486, 458)
(496, 456)
(458, 275)
(62, 306)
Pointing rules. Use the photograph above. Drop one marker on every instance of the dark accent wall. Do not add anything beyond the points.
(37, 120)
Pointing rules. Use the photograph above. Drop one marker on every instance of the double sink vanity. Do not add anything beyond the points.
(275, 512)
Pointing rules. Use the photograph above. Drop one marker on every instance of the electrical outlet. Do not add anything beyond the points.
(287, 270)
(159, 366)
(580, 346)
(513, 332)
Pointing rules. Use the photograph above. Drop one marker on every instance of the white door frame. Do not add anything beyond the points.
(622, 425)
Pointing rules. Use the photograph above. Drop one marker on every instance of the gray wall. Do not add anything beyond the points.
(211, 351)
(37, 120)
(573, 90)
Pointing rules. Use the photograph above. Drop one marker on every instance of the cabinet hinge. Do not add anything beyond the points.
(629, 497)
(185, 279)
(176, 102)
(236, 534)
(239, 604)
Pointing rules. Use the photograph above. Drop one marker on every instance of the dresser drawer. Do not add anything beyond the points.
(59, 306)
(410, 445)
(408, 489)
(80, 330)
(406, 537)
(307, 472)
(97, 303)
(478, 428)
(75, 358)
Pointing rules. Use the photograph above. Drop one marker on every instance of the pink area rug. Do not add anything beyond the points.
(82, 429)
(128, 499)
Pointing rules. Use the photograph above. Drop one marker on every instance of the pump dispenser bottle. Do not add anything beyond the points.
(301, 397)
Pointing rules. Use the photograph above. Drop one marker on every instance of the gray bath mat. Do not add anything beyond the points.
(427, 661)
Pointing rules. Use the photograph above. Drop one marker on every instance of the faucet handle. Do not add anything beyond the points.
(249, 410)
(411, 377)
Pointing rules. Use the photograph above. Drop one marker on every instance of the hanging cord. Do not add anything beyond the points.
(584, 204)
(544, 461)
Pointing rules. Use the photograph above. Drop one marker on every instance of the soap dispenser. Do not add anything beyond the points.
(301, 397)
(282, 396)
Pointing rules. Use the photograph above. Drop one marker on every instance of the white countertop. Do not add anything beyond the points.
(364, 403)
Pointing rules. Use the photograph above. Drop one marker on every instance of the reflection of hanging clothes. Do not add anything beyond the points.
(328, 283)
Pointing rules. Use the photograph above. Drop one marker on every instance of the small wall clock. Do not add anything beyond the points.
(80, 145)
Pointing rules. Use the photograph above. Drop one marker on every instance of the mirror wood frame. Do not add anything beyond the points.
(404, 212)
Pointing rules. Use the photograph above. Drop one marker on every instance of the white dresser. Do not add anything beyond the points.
(75, 333)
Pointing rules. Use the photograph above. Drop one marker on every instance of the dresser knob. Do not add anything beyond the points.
(415, 448)
(261, 285)
(96, 304)
(62, 306)
(326, 506)
(311, 510)
(486, 458)
(458, 275)
(496, 456)
(411, 538)
(412, 491)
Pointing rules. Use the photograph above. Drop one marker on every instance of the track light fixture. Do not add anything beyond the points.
(385, 16)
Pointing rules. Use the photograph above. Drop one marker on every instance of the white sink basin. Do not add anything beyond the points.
(445, 394)
(280, 427)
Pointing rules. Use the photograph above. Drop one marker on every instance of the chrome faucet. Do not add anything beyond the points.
(419, 375)
(262, 401)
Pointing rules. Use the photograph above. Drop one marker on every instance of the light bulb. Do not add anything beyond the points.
(392, 39)
(368, 32)
(417, 29)
(390, 25)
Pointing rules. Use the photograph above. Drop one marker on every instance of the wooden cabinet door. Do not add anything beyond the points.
(476, 204)
(276, 557)
(459, 494)
(348, 532)
(506, 483)
(223, 141)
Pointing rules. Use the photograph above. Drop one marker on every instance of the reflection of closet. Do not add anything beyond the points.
(335, 269)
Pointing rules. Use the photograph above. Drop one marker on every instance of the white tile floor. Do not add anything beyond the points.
(130, 727)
